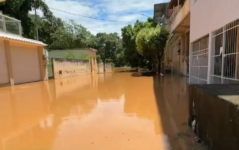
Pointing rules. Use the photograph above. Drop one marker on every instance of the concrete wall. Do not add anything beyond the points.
(108, 67)
(3, 65)
(100, 68)
(217, 115)
(94, 66)
(209, 15)
(67, 68)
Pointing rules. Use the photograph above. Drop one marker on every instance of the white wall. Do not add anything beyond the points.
(209, 15)
(3, 65)
(25, 64)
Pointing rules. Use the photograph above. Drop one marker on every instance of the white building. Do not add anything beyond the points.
(178, 23)
(21, 59)
(214, 41)
(213, 26)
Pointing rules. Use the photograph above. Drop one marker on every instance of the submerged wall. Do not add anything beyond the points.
(70, 67)
(216, 108)
(108, 68)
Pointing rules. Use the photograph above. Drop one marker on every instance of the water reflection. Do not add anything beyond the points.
(112, 111)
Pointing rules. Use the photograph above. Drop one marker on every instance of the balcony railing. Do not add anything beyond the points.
(179, 14)
(175, 12)
(10, 25)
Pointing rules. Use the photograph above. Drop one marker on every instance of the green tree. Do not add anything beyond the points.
(72, 35)
(107, 46)
(131, 55)
(20, 9)
(151, 43)
(46, 27)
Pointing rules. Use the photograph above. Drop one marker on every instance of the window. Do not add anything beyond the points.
(199, 61)
(225, 54)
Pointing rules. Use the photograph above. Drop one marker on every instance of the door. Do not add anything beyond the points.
(175, 63)
(25, 63)
(3, 65)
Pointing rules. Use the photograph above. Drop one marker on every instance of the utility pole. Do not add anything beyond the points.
(36, 25)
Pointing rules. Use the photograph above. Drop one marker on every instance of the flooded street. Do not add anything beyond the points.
(97, 112)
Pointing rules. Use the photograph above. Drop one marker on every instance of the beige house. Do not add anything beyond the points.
(177, 50)
(21, 59)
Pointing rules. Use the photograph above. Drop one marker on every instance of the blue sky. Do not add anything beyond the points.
(125, 11)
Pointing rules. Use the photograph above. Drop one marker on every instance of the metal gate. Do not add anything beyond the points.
(225, 54)
(199, 61)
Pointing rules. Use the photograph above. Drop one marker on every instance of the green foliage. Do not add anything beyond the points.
(143, 43)
(98, 58)
(84, 57)
(131, 55)
(72, 35)
(70, 55)
(110, 48)
(20, 9)
(151, 42)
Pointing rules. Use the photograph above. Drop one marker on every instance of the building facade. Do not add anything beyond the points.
(178, 24)
(204, 40)
(21, 59)
(214, 40)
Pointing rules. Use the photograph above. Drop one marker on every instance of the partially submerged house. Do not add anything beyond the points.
(22, 60)
(214, 40)
(204, 40)
(176, 17)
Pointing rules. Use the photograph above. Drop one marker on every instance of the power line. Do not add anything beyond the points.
(87, 16)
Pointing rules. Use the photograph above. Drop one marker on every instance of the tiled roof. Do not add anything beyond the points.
(20, 38)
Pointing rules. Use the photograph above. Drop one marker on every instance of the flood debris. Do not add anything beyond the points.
(198, 140)
(194, 122)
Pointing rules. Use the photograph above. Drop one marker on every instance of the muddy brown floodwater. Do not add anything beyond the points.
(97, 112)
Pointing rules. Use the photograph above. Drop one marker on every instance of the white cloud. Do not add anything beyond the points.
(117, 6)
(127, 11)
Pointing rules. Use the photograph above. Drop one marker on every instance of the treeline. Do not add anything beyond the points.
(58, 34)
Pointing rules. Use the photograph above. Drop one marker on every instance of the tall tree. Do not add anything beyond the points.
(107, 46)
(72, 35)
(151, 43)
(131, 54)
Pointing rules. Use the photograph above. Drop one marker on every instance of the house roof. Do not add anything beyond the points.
(20, 38)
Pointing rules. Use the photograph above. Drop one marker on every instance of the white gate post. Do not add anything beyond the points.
(210, 63)
(223, 53)
(190, 62)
